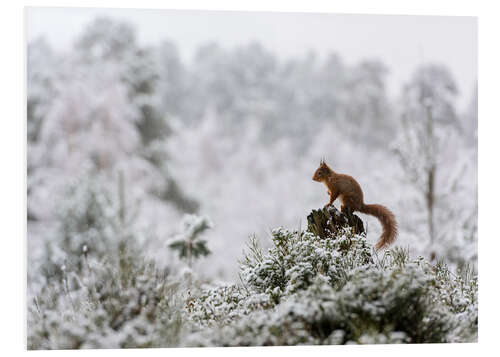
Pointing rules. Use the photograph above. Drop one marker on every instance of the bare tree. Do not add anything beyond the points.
(428, 119)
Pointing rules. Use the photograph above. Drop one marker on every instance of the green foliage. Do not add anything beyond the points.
(188, 243)
(198, 248)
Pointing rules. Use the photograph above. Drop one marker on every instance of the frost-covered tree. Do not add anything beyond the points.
(175, 88)
(113, 42)
(90, 125)
(293, 97)
(155, 84)
(367, 108)
(432, 154)
(250, 71)
(40, 84)
(100, 113)
(427, 114)
(470, 119)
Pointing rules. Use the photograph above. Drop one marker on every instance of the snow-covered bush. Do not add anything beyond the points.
(225, 303)
(302, 290)
(99, 289)
(296, 258)
(130, 303)
(292, 264)
(334, 291)
(91, 223)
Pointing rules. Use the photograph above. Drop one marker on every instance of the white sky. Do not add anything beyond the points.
(401, 42)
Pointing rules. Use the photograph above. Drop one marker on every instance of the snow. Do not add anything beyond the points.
(130, 150)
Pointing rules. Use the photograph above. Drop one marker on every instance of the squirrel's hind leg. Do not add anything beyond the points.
(346, 210)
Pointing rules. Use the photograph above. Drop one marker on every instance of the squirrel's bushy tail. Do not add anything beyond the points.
(388, 222)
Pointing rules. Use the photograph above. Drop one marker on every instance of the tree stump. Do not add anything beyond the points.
(328, 221)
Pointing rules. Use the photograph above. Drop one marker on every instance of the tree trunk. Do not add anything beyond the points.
(328, 221)
(430, 202)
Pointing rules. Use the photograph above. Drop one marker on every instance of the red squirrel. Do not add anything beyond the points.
(351, 195)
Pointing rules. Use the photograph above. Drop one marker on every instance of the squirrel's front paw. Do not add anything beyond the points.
(327, 205)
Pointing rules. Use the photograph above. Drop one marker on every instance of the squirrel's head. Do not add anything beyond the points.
(322, 172)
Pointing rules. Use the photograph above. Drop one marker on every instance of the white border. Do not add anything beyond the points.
(13, 156)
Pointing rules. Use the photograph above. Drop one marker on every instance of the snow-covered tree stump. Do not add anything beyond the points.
(328, 221)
